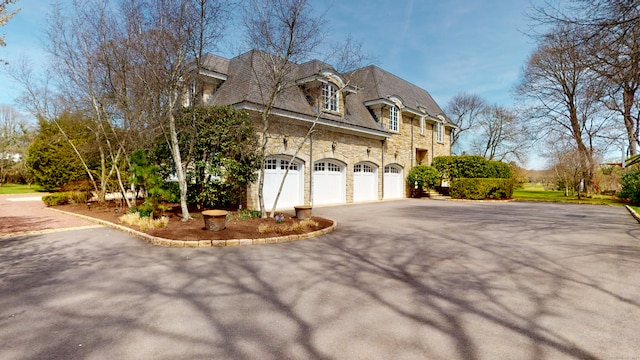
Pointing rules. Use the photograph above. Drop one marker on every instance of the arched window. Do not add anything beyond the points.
(330, 97)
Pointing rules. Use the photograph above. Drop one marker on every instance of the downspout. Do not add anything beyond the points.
(382, 149)
(412, 149)
(382, 161)
(311, 169)
(432, 145)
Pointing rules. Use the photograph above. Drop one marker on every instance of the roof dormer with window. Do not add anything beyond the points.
(325, 91)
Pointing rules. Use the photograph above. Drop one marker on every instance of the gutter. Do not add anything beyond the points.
(342, 127)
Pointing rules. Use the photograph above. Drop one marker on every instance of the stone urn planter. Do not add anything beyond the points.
(303, 211)
(215, 220)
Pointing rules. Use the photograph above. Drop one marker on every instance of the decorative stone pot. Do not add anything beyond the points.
(215, 220)
(303, 211)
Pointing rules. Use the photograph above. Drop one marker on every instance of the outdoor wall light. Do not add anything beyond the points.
(368, 150)
(285, 141)
(333, 146)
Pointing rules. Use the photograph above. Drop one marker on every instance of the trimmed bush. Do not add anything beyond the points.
(425, 177)
(470, 166)
(63, 198)
(631, 186)
(480, 189)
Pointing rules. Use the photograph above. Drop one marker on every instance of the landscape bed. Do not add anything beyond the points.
(194, 229)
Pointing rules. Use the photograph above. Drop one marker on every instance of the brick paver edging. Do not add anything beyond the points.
(154, 240)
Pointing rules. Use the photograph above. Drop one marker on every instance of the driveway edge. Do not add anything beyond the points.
(158, 241)
(633, 213)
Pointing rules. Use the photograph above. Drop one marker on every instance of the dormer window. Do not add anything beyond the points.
(393, 118)
(330, 97)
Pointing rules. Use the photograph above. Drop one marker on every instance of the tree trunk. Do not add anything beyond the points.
(628, 97)
(177, 159)
(263, 212)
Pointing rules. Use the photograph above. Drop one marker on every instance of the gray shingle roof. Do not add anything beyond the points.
(378, 84)
(248, 82)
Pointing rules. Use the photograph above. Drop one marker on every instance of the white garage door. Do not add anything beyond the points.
(293, 190)
(365, 182)
(328, 183)
(393, 182)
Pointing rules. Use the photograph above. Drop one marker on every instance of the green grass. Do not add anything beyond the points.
(19, 189)
(536, 192)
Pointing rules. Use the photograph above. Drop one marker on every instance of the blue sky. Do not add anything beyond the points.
(445, 47)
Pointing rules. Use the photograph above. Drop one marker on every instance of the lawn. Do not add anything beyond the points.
(19, 189)
(536, 192)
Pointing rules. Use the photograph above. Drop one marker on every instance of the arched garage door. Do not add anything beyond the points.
(293, 190)
(365, 182)
(328, 182)
(393, 182)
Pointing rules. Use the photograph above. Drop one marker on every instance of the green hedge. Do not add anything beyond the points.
(471, 166)
(63, 198)
(480, 189)
(631, 186)
(425, 177)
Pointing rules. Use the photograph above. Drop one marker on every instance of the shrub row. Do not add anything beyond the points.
(471, 166)
(63, 198)
(480, 189)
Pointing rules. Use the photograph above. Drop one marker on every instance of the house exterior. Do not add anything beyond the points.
(370, 128)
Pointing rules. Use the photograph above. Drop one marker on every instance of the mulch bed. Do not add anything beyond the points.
(194, 229)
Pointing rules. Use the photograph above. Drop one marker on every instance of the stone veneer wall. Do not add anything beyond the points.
(351, 149)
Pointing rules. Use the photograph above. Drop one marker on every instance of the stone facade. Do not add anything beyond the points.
(351, 113)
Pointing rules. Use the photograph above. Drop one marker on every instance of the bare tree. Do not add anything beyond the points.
(567, 165)
(464, 110)
(169, 39)
(499, 135)
(565, 98)
(610, 33)
(76, 41)
(5, 16)
(13, 129)
(285, 32)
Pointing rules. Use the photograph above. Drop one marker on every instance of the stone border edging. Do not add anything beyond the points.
(158, 241)
(633, 213)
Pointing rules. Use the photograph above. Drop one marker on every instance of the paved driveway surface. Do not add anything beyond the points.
(410, 279)
(27, 213)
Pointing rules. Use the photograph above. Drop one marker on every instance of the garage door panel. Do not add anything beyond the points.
(328, 183)
(365, 183)
(393, 182)
(292, 191)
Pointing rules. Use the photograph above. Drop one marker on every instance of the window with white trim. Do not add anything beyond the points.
(389, 169)
(362, 168)
(367, 169)
(284, 164)
(393, 118)
(439, 132)
(270, 164)
(318, 166)
(331, 167)
(422, 126)
(330, 97)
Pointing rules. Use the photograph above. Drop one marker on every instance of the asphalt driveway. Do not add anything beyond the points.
(410, 279)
